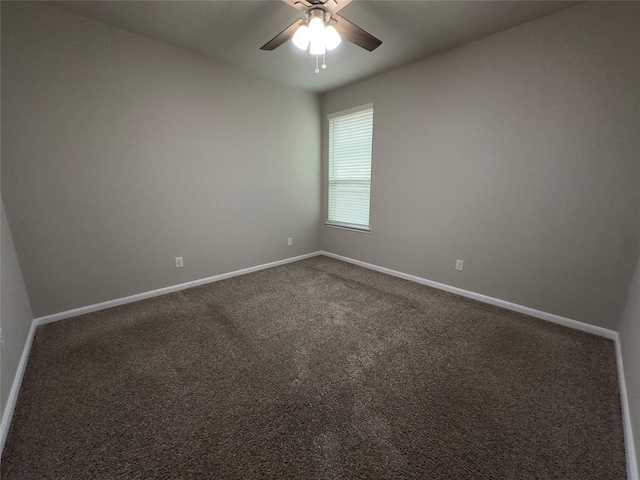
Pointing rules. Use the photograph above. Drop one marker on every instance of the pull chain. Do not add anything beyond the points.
(324, 62)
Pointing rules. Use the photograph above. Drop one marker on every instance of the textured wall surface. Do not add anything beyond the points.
(15, 311)
(121, 153)
(630, 344)
(518, 154)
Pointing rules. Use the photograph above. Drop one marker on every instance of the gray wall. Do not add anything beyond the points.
(15, 311)
(121, 153)
(630, 345)
(517, 153)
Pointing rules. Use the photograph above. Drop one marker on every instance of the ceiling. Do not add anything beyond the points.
(231, 32)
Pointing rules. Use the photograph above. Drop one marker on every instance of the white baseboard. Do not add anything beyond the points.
(567, 322)
(163, 291)
(632, 461)
(632, 466)
(9, 408)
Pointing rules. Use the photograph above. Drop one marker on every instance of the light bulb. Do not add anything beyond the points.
(331, 37)
(301, 37)
(317, 47)
(316, 29)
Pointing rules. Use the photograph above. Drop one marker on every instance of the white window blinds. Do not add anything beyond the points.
(350, 144)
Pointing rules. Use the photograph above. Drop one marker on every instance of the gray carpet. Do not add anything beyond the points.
(316, 370)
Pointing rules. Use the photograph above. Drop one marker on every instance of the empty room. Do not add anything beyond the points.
(320, 239)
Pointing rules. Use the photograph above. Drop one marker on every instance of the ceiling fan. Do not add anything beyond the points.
(321, 28)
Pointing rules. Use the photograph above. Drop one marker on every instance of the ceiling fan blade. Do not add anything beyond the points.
(334, 6)
(283, 36)
(299, 4)
(353, 33)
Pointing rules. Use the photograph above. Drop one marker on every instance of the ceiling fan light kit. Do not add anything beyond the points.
(331, 37)
(316, 32)
(301, 38)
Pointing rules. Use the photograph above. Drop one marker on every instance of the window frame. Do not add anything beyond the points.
(345, 225)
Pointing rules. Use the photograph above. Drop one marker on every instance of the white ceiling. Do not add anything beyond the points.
(232, 32)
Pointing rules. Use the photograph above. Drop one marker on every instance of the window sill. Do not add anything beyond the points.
(345, 226)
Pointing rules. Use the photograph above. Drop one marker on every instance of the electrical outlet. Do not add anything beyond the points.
(289, 241)
(179, 262)
(459, 265)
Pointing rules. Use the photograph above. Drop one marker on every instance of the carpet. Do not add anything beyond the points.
(317, 369)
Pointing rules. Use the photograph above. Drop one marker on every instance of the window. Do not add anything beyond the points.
(350, 144)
